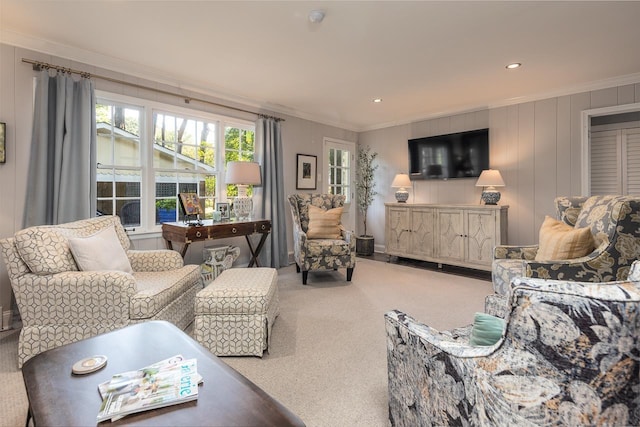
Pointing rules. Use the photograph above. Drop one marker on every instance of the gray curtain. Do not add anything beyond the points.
(61, 177)
(269, 197)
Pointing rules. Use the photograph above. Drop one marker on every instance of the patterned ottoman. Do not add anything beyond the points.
(235, 313)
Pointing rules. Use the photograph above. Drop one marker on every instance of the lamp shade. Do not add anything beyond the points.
(490, 178)
(401, 181)
(243, 173)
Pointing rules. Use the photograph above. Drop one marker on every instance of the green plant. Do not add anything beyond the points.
(166, 204)
(365, 182)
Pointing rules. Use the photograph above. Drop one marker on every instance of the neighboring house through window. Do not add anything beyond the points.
(148, 153)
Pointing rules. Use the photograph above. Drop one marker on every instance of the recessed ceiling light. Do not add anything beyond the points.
(514, 66)
(316, 16)
(377, 100)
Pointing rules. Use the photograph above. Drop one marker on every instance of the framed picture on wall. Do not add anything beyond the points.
(306, 172)
(3, 143)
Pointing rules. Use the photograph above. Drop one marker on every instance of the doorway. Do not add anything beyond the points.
(339, 165)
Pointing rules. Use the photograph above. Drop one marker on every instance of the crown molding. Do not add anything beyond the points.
(144, 72)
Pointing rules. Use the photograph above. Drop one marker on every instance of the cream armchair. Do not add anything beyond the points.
(320, 253)
(570, 356)
(60, 304)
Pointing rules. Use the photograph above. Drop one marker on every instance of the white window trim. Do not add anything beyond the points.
(148, 107)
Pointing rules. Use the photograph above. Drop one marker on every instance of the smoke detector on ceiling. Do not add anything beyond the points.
(316, 16)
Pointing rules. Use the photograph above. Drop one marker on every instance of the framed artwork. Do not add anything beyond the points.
(3, 143)
(306, 172)
(190, 203)
(223, 208)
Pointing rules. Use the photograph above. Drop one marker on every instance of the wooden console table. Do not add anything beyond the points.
(209, 230)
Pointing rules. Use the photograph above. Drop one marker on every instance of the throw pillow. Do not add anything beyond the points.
(100, 251)
(45, 249)
(560, 241)
(324, 224)
(487, 330)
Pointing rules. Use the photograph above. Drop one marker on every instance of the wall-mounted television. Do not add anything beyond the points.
(455, 155)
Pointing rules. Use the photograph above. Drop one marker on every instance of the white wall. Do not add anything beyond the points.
(16, 106)
(535, 145)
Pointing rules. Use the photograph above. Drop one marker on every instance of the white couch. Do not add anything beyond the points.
(60, 304)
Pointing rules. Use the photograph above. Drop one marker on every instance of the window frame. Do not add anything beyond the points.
(147, 189)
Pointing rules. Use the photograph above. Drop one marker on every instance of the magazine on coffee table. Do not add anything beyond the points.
(149, 388)
(103, 388)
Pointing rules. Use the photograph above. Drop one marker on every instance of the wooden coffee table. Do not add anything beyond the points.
(59, 398)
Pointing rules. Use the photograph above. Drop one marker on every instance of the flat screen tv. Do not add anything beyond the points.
(455, 155)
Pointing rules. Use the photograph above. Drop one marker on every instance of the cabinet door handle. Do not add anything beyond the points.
(198, 234)
(233, 230)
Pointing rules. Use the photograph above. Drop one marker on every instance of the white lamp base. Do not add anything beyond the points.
(243, 207)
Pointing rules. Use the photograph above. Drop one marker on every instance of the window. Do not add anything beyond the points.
(239, 145)
(148, 153)
(119, 163)
(184, 161)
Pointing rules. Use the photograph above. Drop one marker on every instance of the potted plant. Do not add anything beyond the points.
(166, 210)
(365, 186)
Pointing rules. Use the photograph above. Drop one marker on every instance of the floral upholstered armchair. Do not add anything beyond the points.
(570, 355)
(614, 222)
(328, 250)
(62, 300)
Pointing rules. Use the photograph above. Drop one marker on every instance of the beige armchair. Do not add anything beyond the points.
(60, 304)
(320, 253)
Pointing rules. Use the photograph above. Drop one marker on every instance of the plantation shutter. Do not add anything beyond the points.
(615, 162)
(605, 162)
(631, 137)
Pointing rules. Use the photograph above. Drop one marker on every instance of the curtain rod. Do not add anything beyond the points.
(37, 66)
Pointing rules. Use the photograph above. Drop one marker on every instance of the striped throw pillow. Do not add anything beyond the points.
(324, 224)
(560, 241)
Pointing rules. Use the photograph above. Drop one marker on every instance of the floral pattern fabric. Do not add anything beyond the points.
(615, 224)
(320, 254)
(66, 306)
(570, 355)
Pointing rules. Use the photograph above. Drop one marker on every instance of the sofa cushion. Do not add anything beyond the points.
(559, 241)
(327, 248)
(157, 289)
(100, 251)
(45, 248)
(324, 224)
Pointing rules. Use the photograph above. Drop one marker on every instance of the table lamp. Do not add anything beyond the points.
(401, 181)
(243, 174)
(490, 179)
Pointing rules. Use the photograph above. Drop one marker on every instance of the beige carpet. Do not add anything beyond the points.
(327, 361)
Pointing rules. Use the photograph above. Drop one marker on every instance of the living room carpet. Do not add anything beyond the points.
(327, 358)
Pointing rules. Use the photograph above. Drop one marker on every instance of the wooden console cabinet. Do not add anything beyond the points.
(462, 235)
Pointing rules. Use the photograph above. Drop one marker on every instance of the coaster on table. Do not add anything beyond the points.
(88, 365)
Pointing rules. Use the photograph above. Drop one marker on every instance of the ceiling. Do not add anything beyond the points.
(423, 59)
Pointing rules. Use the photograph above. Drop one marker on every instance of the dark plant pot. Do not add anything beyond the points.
(364, 245)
